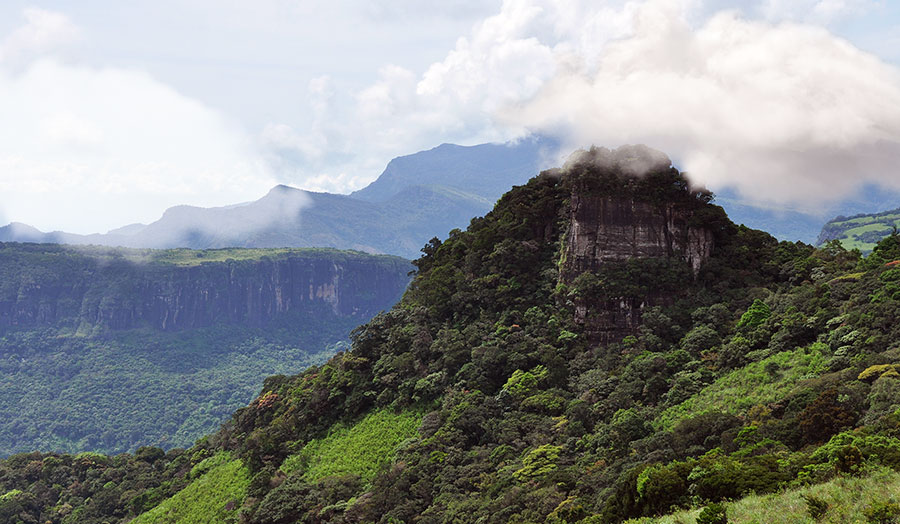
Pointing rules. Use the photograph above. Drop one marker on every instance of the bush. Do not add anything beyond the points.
(713, 514)
(882, 513)
(756, 314)
(538, 462)
(815, 506)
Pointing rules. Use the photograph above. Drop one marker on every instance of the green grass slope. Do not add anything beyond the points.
(212, 498)
(361, 449)
(861, 231)
(872, 498)
(758, 383)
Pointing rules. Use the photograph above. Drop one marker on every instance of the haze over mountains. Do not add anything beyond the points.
(417, 197)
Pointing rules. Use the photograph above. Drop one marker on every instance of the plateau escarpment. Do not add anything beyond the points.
(48, 286)
(109, 349)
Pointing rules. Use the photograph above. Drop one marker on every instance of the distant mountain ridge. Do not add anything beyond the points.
(417, 197)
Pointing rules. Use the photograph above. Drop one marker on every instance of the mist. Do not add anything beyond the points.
(783, 113)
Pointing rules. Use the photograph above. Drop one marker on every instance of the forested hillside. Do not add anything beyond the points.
(106, 349)
(604, 345)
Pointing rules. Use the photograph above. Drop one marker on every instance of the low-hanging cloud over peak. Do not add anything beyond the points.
(765, 100)
(785, 113)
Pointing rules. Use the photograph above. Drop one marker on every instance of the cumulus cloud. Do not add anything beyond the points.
(44, 31)
(86, 149)
(784, 113)
(766, 101)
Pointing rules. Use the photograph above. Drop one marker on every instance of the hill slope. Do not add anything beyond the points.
(861, 231)
(600, 346)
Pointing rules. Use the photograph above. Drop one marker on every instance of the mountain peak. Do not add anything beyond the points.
(281, 189)
(637, 159)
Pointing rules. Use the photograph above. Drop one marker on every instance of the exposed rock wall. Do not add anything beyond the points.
(609, 228)
(614, 218)
(124, 295)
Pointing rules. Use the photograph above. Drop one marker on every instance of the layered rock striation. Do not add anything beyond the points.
(69, 288)
(629, 213)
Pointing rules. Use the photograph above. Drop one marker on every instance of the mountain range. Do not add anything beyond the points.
(417, 197)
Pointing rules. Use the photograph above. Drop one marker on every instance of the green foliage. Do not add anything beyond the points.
(756, 314)
(538, 462)
(713, 514)
(847, 500)
(66, 392)
(521, 383)
(874, 372)
(752, 385)
(881, 512)
(214, 497)
(361, 449)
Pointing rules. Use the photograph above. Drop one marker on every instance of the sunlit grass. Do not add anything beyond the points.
(361, 449)
(757, 383)
(847, 499)
(212, 498)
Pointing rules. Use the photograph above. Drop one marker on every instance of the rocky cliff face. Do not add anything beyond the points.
(616, 215)
(81, 291)
(610, 228)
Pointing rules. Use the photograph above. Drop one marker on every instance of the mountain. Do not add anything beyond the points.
(806, 226)
(106, 349)
(861, 231)
(605, 344)
(482, 172)
(416, 198)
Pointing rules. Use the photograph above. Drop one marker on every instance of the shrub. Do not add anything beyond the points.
(824, 417)
(521, 383)
(713, 514)
(873, 372)
(815, 506)
(538, 462)
(882, 513)
(756, 314)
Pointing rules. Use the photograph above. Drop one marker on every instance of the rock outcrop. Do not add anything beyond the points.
(628, 205)
(68, 288)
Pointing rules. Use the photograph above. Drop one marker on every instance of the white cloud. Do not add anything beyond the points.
(783, 111)
(44, 31)
(816, 11)
(87, 149)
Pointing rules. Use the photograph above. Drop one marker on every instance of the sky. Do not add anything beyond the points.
(110, 112)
